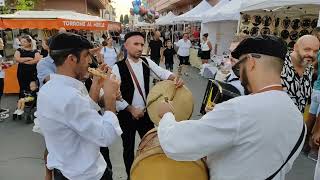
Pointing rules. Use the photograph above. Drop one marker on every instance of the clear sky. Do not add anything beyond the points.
(122, 7)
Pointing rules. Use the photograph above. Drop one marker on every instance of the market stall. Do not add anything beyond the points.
(288, 19)
(194, 15)
(166, 20)
(44, 22)
(221, 24)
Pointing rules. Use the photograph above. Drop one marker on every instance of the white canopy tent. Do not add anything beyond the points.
(319, 20)
(221, 24)
(166, 20)
(194, 15)
(274, 4)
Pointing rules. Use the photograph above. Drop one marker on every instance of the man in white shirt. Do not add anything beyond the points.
(134, 74)
(184, 46)
(243, 138)
(73, 129)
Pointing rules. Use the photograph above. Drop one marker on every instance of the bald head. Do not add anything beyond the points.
(306, 50)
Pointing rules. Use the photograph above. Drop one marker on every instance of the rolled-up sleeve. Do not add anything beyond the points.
(194, 139)
(86, 121)
(161, 72)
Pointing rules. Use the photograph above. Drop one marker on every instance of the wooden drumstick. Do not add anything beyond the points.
(177, 78)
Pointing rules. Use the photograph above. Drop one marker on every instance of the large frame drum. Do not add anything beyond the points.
(182, 100)
(152, 164)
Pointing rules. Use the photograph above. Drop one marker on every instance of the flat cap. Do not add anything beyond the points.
(265, 44)
(64, 41)
(133, 33)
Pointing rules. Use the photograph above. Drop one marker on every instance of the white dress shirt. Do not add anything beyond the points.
(73, 129)
(138, 70)
(184, 47)
(248, 137)
(109, 55)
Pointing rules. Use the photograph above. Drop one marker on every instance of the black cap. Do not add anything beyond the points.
(133, 33)
(64, 41)
(265, 44)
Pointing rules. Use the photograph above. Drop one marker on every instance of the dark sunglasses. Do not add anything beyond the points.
(236, 67)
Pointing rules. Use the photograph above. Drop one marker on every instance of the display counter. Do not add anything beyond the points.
(11, 85)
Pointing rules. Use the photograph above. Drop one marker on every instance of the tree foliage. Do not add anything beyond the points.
(121, 19)
(126, 19)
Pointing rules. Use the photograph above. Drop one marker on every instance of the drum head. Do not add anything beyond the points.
(182, 102)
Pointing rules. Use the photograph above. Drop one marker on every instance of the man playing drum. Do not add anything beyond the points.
(243, 138)
(134, 73)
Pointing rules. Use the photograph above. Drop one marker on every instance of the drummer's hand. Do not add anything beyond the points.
(209, 108)
(164, 108)
(136, 112)
(178, 82)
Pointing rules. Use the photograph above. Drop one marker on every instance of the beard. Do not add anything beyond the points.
(245, 81)
(305, 61)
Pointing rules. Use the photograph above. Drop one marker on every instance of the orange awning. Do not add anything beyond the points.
(58, 23)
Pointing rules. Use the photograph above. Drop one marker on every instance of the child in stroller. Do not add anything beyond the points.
(28, 101)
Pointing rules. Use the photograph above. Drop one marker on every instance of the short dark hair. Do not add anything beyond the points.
(104, 43)
(27, 38)
(60, 58)
(206, 35)
(133, 33)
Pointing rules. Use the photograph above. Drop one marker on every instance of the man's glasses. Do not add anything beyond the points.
(236, 67)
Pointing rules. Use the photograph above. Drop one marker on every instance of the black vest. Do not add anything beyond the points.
(127, 86)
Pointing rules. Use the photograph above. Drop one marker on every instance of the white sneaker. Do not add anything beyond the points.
(20, 112)
(16, 111)
(35, 114)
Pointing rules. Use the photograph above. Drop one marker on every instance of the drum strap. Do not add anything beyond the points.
(134, 77)
(291, 153)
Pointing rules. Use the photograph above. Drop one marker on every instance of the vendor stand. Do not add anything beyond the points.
(47, 23)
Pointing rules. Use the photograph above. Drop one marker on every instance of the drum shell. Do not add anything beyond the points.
(152, 163)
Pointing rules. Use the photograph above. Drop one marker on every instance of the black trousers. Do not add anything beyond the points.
(184, 60)
(129, 127)
(59, 176)
(156, 60)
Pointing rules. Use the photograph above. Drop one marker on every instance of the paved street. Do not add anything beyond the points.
(21, 150)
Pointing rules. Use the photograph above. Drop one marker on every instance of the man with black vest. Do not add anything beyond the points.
(134, 73)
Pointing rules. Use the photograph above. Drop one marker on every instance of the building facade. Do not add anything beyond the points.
(176, 6)
(91, 7)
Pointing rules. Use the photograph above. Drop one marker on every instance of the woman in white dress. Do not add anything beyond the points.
(108, 52)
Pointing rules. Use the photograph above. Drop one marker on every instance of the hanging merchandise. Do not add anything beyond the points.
(314, 23)
(285, 34)
(256, 20)
(266, 21)
(294, 35)
(291, 44)
(277, 22)
(254, 31)
(265, 31)
(306, 23)
(295, 24)
(246, 18)
(286, 23)
(303, 32)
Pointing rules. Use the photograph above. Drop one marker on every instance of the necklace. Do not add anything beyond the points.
(277, 87)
